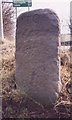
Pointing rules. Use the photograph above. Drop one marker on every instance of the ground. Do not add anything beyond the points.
(17, 105)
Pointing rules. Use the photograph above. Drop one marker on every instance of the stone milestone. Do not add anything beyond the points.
(37, 40)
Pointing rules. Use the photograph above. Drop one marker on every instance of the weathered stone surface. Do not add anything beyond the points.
(37, 72)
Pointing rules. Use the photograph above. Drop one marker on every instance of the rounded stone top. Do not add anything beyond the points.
(40, 19)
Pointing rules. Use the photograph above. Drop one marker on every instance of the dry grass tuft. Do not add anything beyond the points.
(17, 105)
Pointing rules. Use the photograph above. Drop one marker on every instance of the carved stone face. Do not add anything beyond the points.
(37, 72)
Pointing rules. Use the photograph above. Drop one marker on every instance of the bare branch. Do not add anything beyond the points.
(8, 20)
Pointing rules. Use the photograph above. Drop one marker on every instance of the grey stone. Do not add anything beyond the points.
(37, 72)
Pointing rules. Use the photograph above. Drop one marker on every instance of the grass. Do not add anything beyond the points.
(17, 105)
